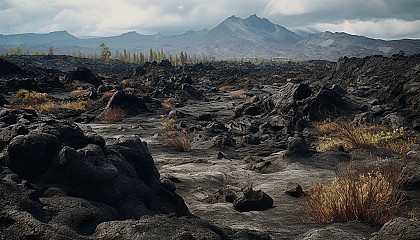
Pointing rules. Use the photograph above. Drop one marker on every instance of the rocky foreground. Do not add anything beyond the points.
(73, 173)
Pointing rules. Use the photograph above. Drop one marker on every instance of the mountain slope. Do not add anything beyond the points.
(234, 37)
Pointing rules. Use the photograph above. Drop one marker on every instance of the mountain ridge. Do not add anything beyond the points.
(233, 37)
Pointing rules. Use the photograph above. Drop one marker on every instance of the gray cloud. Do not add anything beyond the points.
(385, 19)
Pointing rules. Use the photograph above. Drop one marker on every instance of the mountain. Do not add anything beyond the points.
(234, 37)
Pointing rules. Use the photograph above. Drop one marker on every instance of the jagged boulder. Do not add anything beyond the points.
(3, 101)
(346, 231)
(7, 68)
(253, 201)
(128, 103)
(399, 228)
(54, 177)
(83, 75)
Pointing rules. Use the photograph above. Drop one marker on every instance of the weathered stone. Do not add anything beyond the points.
(294, 190)
(399, 229)
(253, 201)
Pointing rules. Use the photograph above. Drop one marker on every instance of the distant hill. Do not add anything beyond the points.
(234, 37)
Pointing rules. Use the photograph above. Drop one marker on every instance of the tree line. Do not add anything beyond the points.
(105, 54)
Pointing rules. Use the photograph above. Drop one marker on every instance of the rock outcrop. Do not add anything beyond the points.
(55, 177)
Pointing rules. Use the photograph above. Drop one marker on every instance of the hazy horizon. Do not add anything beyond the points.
(384, 19)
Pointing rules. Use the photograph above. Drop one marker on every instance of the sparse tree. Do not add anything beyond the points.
(150, 55)
(162, 55)
(16, 51)
(105, 52)
(125, 55)
(155, 58)
(141, 58)
(176, 60)
(51, 50)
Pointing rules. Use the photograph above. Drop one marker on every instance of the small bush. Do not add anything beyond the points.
(372, 197)
(353, 136)
(238, 95)
(225, 88)
(112, 115)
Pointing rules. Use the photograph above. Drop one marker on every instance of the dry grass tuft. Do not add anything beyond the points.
(40, 103)
(78, 105)
(148, 83)
(225, 88)
(77, 93)
(237, 95)
(180, 140)
(170, 103)
(128, 82)
(112, 115)
(174, 135)
(108, 94)
(31, 97)
(372, 197)
(129, 89)
(354, 136)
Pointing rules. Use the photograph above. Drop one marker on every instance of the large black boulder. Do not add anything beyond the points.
(399, 228)
(84, 75)
(30, 155)
(253, 201)
(129, 103)
(7, 68)
(63, 182)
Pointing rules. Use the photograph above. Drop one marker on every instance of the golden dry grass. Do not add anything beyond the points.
(148, 83)
(31, 97)
(108, 94)
(239, 94)
(41, 103)
(354, 136)
(180, 140)
(170, 103)
(78, 105)
(112, 115)
(174, 135)
(77, 93)
(225, 88)
(372, 197)
(128, 82)
(129, 89)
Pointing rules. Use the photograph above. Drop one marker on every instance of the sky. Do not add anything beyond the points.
(384, 19)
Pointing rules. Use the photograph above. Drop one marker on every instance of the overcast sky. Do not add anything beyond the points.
(386, 19)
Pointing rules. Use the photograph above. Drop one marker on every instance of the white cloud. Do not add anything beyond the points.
(385, 29)
(297, 7)
(9, 17)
